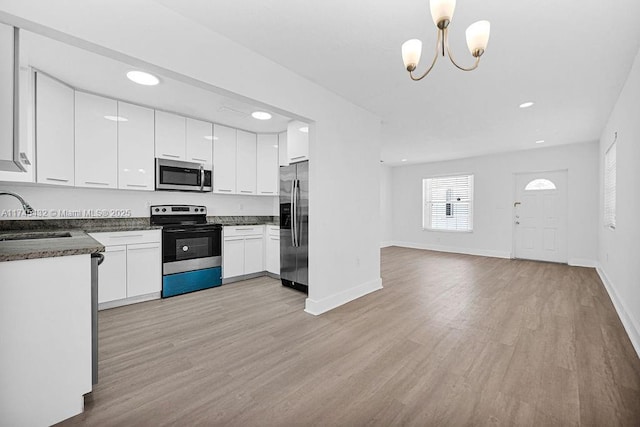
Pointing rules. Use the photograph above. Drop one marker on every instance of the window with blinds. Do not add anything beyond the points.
(610, 186)
(448, 203)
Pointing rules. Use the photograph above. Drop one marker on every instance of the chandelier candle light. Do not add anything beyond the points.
(442, 13)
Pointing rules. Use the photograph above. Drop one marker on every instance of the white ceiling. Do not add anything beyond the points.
(98, 74)
(570, 57)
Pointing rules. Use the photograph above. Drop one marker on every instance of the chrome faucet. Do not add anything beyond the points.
(27, 208)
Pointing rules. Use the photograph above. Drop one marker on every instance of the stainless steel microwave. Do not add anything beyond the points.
(182, 176)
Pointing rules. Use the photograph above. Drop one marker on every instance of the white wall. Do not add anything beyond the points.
(344, 259)
(494, 197)
(386, 206)
(52, 199)
(619, 249)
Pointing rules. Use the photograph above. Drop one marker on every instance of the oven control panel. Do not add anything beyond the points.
(178, 210)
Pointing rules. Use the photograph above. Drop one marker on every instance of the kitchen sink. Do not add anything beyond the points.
(34, 236)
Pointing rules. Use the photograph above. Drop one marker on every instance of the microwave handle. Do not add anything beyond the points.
(201, 178)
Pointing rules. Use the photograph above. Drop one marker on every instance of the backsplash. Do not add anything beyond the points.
(52, 202)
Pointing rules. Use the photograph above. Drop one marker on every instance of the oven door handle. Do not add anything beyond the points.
(191, 230)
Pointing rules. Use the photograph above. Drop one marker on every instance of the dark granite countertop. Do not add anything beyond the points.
(45, 244)
(79, 242)
(90, 225)
(243, 220)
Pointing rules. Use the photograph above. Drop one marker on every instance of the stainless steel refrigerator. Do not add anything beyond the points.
(294, 225)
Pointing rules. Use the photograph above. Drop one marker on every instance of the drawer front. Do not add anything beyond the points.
(128, 237)
(244, 230)
(273, 230)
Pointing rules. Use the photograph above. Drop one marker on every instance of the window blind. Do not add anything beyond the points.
(610, 186)
(448, 203)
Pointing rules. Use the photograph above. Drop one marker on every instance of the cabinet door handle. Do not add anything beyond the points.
(266, 192)
(198, 160)
(137, 185)
(57, 179)
(25, 159)
(96, 183)
(298, 157)
(172, 155)
(222, 189)
(246, 191)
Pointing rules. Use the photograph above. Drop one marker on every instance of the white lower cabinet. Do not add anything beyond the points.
(144, 264)
(243, 251)
(233, 257)
(112, 279)
(272, 252)
(132, 268)
(253, 254)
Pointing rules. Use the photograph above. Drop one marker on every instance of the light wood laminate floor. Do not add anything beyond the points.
(450, 340)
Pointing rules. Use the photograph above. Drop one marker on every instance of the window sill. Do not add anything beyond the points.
(447, 231)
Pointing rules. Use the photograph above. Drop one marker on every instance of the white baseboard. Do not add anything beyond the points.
(466, 251)
(329, 303)
(386, 244)
(126, 301)
(630, 324)
(582, 262)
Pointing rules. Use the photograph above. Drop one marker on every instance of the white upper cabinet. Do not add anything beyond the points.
(268, 176)
(224, 160)
(96, 152)
(283, 154)
(135, 147)
(7, 68)
(199, 141)
(54, 131)
(26, 129)
(246, 162)
(297, 141)
(170, 136)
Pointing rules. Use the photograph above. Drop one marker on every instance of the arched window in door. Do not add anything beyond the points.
(540, 184)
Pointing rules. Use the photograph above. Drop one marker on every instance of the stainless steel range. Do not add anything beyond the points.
(191, 249)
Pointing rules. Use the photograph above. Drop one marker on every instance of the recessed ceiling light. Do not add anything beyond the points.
(116, 118)
(275, 146)
(261, 115)
(143, 78)
(304, 129)
(540, 141)
(526, 104)
(403, 160)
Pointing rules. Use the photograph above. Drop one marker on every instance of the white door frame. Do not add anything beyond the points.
(515, 199)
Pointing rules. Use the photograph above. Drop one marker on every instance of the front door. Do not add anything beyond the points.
(540, 216)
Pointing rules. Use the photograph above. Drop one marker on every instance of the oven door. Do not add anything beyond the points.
(191, 248)
(182, 176)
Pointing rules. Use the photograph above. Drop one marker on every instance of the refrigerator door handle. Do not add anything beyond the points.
(293, 213)
(297, 213)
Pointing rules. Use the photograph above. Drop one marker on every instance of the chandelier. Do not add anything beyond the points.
(442, 13)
